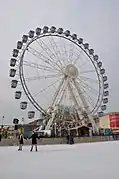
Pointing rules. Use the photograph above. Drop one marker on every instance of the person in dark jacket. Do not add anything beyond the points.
(21, 141)
(70, 139)
(0, 137)
(34, 138)
(67, 139)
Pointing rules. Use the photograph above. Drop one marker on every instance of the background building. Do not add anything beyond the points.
(109, 120)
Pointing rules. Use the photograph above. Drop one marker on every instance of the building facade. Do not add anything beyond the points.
(109, 120)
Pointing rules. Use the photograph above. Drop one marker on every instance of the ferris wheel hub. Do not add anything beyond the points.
(71, 71)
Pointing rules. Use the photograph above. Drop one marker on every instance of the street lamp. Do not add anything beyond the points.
(2, 120)
(55, 129)
(60, 131)
(22, 121)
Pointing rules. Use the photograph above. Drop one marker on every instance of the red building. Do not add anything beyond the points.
(109, 120)
(114, 120)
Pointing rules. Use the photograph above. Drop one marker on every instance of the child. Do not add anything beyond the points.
(21, 141)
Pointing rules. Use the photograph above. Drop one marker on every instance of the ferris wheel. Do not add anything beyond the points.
(60, 75)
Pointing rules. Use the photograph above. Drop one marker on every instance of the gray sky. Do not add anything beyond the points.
(94, 20)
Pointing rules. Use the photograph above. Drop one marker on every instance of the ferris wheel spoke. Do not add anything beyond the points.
(54, 45)
(44, 89)
(79, 56)
(40, 67)
(90, 102)
(38, 55)
(42, 77)
(62, 54)
(84, 63)
(88, 71)
(44, 59)
(88, 97)
(87, 60)
(71, 53)
(46, 49)
(83, 78)
(82, 98)
(52, 56)
(65, 50)
(90, 89)
(86, 86)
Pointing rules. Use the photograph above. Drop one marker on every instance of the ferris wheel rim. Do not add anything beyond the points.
(24, 85)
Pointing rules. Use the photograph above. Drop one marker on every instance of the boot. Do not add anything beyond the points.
(36, 148)
(31, 148)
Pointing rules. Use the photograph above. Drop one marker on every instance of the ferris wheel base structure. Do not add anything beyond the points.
(55, 64)
(47, 130)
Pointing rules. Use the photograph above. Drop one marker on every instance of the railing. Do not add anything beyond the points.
(62, 140)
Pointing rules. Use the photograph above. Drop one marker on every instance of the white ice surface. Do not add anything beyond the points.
(81, 161)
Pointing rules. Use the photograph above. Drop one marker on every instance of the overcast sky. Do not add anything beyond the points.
(94, 20)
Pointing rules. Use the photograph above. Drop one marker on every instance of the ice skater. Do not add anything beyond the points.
(34, 138)
(21, 141)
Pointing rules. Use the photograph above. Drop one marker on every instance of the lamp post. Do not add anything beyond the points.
(60, 131)
(22, 123)
(55, 129)
(2, 121)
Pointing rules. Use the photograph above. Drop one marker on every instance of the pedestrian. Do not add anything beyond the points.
(70, 139)
(21, 141)
(34, 138)
(0, 137)
(67, 139)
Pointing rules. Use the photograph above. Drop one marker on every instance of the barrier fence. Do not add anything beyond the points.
(62, 140)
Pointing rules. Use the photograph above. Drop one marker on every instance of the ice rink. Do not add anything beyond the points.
(84, 161)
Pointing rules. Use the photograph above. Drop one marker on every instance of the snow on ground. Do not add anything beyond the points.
(84, 161)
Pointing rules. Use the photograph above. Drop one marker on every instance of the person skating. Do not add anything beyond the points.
(21, 141)
(34, 138)
(0, 137)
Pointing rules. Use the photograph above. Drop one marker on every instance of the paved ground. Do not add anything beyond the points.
(92, 161)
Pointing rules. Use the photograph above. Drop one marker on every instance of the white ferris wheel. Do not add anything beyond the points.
(61, 76)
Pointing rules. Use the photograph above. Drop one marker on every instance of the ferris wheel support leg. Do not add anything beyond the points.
(95, 128)
(75, 101)
(50, 122)
(86, 107)
(63, 91)
(57, 92)
(65, 81)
